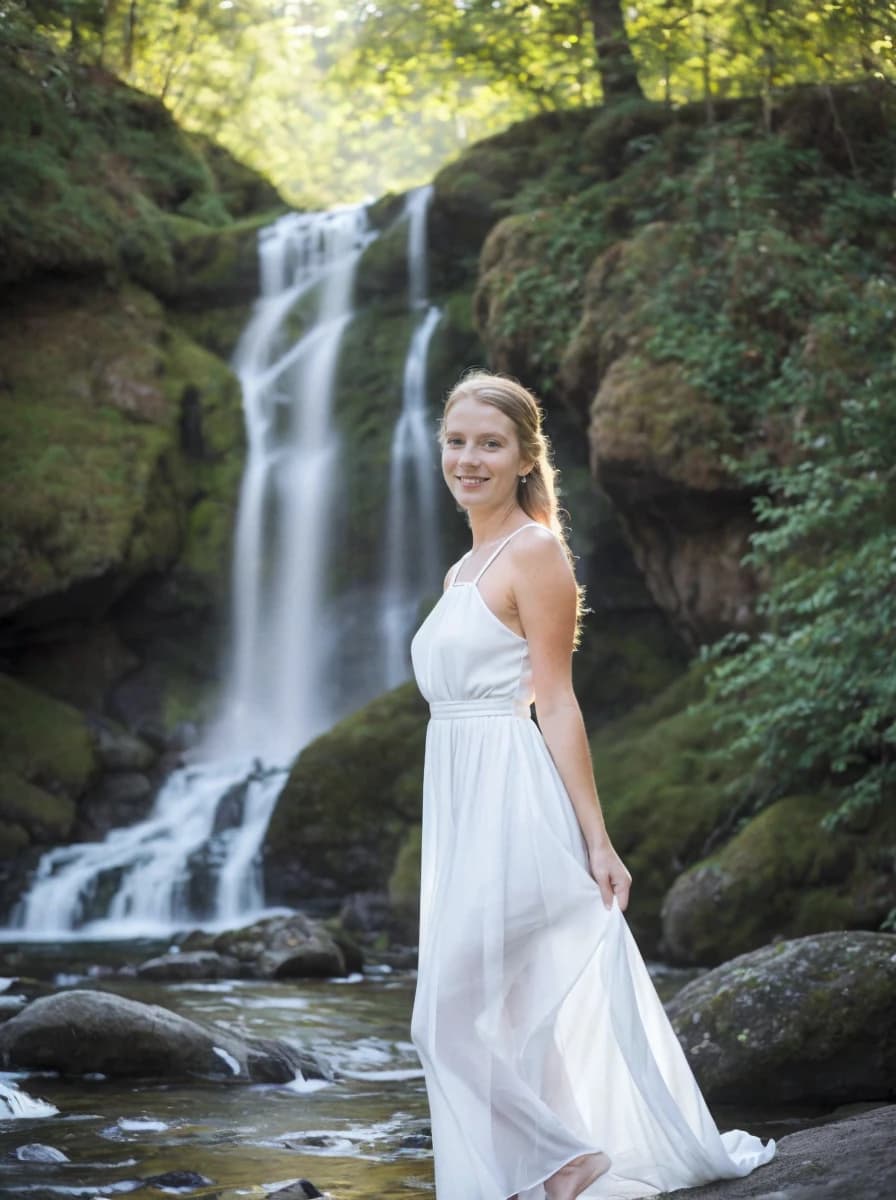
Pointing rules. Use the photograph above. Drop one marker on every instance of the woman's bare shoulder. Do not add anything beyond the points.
(538, 549)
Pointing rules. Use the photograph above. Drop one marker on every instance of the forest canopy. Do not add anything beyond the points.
(340, 100)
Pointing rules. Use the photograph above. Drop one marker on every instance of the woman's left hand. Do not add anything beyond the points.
(611, 875)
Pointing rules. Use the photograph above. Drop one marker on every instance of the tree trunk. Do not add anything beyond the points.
(615, 61)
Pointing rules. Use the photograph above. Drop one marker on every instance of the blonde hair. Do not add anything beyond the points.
(537, 496)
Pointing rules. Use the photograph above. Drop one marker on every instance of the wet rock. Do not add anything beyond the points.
(181, 1180)
(82, 1032)
(118, 799)
(808, 1019)
(288, 947)
(36, 1152)
(195, 964)
(416, 1141)
(302, 1189)
(850, 1159)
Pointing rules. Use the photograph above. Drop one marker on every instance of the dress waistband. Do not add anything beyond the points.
(458, 710)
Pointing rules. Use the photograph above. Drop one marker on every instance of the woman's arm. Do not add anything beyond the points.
(545, 594)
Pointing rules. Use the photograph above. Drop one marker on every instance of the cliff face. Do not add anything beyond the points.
(660, 285)
(129, 264)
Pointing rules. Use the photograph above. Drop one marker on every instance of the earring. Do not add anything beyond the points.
(524, 479)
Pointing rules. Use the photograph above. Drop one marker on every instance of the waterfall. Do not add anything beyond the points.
(196, 857)
(412, 560)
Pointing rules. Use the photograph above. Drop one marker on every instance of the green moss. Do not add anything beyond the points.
(44, 818)
(367, 402)
(404, 882)
(782, 875)
(661, 799)
(43, 741)
(352, 795)
(92, 167)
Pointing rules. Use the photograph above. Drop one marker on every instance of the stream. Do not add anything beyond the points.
(363, 1135)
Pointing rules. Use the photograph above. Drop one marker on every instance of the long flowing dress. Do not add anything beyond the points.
(538, 1027)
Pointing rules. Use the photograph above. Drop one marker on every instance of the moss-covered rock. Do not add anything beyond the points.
(475, 190)
(49, 759)
(94, 167)
(115, 432)
(803, 1020)
(782, 875)
(349, 802)
(664, 800)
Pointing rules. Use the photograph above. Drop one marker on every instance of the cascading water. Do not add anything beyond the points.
(196, 857)
(412, 553)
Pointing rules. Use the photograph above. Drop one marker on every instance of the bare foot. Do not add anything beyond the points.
(573, 1179)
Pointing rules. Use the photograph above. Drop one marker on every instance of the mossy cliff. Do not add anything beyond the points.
(129, 264)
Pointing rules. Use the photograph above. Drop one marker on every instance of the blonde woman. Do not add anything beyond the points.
(551, 1069)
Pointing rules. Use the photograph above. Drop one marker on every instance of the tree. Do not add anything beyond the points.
(615, 60)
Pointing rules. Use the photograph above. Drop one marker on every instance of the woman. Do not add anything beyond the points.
(551, 1068)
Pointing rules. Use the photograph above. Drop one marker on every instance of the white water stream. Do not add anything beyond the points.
(196, 857)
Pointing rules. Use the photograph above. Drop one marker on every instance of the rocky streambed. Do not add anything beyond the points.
(147, 1072)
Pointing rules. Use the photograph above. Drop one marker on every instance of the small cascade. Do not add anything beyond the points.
(196, 857)
(17, 1105)
(411, 560)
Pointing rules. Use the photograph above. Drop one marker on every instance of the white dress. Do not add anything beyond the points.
(539, 1029)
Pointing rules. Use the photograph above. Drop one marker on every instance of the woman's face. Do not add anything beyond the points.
(481, 459)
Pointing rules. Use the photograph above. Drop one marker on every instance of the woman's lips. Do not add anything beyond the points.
(471, 480)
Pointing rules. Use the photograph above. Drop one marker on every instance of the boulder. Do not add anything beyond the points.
(350, 799)
(807, 1020)
(853, 1158)
(664, 798)
(83, 1032)
(49, 759)
(287, 947)
(195, 964)
(782, 875)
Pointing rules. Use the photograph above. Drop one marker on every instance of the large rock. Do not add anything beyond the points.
(664, 798)
(287, 947)
(853, 1158)
(82, 1032)
(49, 759)
(784, 875)
(350, 799)
(807, 1020)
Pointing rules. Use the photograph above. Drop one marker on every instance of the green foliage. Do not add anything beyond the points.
(814, 694)
(338, 100)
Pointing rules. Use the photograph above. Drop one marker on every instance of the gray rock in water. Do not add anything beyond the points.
(287, 947)
(851, 1159)
(82, 1032)
(809, 1019)
(303, 1189)
(36, 1152)
(179, 1180)
(195, 964)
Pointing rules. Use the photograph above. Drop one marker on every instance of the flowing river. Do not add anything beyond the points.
(366, 1134)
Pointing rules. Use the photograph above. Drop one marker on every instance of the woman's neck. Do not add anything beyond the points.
(490, 527)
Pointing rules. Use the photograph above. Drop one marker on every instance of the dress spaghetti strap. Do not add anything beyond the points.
(496, 552)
